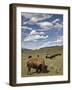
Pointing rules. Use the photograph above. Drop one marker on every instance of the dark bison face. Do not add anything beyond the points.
(45, 68)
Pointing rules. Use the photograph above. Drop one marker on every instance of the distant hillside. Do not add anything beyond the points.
(47, 50)
(24, 49)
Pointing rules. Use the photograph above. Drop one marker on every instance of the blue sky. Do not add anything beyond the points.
(40, 30)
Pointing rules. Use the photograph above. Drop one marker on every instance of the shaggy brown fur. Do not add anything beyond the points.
(36, 63)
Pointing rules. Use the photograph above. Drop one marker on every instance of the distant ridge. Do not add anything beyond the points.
(24, 49)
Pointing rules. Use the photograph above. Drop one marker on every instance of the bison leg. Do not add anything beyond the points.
(42, 68)
(39, 68)
(28, 71)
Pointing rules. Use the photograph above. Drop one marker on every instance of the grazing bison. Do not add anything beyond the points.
(36, 63)
(52, 56)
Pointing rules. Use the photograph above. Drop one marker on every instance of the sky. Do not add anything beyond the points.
(39, 30)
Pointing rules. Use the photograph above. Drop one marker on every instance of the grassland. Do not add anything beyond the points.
(55, 65)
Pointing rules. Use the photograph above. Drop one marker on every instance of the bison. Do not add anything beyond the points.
(52, 56)
(36, 63)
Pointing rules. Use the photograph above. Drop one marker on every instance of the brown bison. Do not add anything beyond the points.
(36, 63)
(52, 56)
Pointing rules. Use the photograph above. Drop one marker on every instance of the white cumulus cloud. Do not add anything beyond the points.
(34, 36)
(58, 42)
(34, 32)
(45, 24)
(50, 25)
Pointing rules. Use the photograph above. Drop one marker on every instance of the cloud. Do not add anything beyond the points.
(25, 27)
(35, 17)
(41, 33)
(58, 42)
(34, 36)
(40, 18)
(34, 32)
(58, 25)
(45, 25)
(26, 15)
(25, 22)
(37, 34)
(56, 20)
(50, 26)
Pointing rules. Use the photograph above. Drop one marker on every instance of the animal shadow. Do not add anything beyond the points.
(39, 72)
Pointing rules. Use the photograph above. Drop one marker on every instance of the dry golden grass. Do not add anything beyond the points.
(55, 65)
